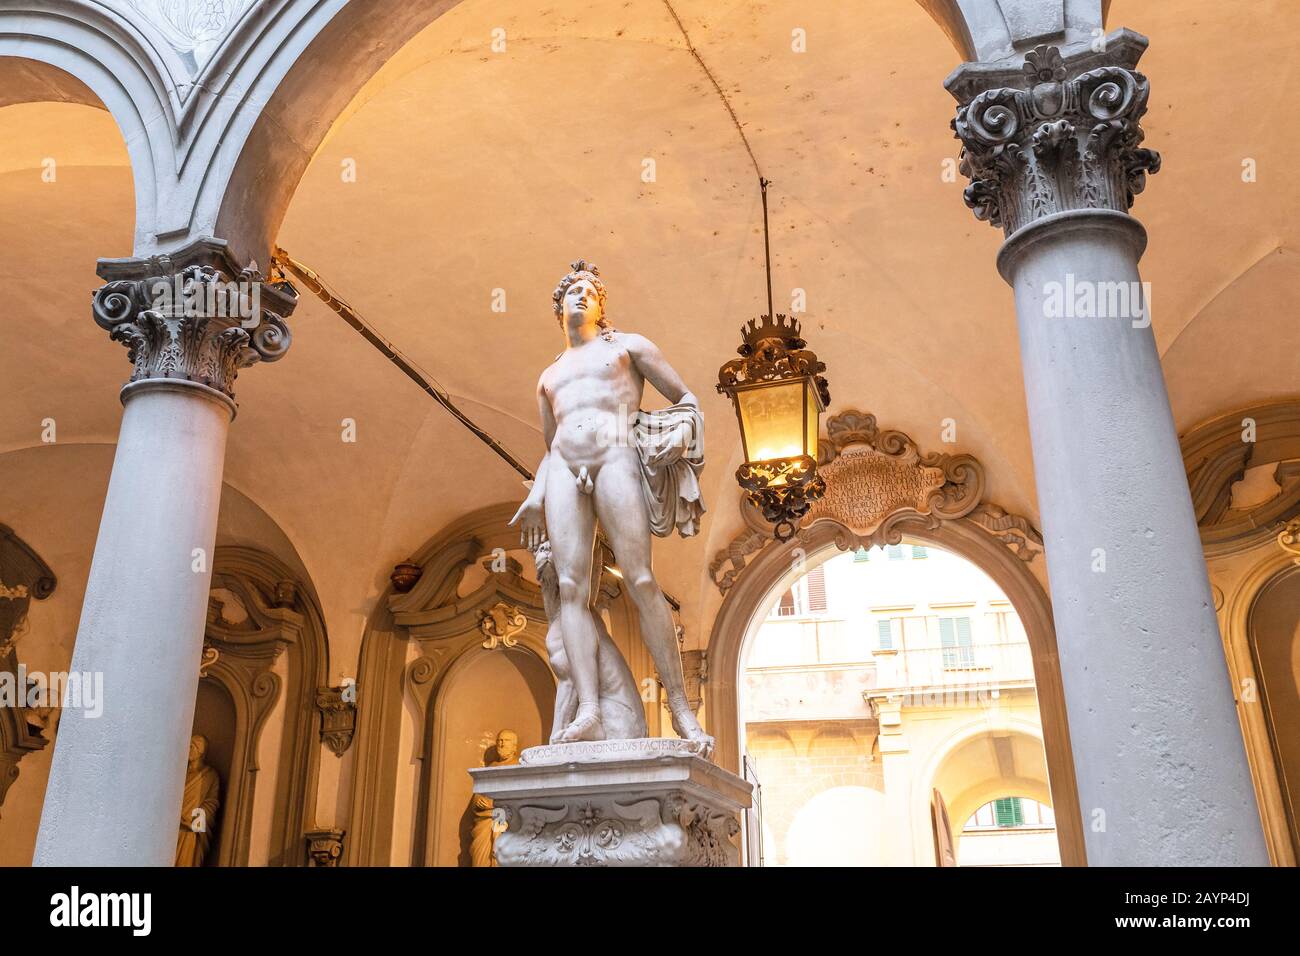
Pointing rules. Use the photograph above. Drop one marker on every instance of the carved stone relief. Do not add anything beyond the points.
(670, 830)
(338, 714)
(324, 847)
(1217, 455)
(876, 479)
(24, 577)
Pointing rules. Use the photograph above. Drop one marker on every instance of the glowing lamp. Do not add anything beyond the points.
(779, 395)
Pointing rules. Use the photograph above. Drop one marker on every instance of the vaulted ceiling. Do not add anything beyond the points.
(478, 171)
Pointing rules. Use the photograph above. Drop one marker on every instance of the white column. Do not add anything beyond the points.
(1053, 152)
(114, 793)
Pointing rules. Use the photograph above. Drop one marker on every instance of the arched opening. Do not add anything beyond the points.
(484, 693)
(1274, 634)
(876, 680)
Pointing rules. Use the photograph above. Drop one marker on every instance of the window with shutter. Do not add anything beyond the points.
(895, 552)
(918, 552)
(885, 634)
(955, 638)
(862, 554)
(1007, 812)
(817, 590)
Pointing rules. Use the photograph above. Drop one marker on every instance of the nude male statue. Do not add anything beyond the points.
(604, 465)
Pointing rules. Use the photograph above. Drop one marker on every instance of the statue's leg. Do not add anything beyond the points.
(623, 517)
(571, 527)
(566, 701)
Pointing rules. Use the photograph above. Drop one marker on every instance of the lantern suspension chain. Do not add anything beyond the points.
(767, 243)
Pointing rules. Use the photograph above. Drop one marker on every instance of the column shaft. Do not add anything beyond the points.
(114, 793)
(1161, 767)
(190, 320)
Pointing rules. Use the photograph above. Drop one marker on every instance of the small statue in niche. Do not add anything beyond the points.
(483, 836)
(199, 806)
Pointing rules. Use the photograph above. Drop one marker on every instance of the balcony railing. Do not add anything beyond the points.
(1006, 662)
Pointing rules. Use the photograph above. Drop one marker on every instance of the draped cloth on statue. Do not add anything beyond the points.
(202, 792)
(671, 445)
(482, 836)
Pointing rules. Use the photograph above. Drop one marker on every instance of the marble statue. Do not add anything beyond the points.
(483, 834)
(199, 806)
(637, 474)
(622, 715)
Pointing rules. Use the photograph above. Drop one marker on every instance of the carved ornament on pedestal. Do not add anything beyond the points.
(1055, 134)
(194, 315)
(647, 802)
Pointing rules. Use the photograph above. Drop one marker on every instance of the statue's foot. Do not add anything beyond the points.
(688, 728)
(586, 726)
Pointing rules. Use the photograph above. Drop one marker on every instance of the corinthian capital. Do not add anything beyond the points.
(193, 315)
(1054, 134)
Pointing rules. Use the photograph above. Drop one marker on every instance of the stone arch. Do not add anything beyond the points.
(999, 544)
(930, 775)
(1244, 559)
(75, 51)
(345, 41)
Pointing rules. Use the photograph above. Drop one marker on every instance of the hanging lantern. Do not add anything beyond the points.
(779, 394)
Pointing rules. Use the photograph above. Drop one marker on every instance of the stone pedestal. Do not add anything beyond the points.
(650, 802)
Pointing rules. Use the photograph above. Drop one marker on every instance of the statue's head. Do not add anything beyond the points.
(198, 749)
(581, 295)
(507, 744)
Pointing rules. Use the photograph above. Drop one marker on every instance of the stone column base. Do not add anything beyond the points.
(650, 802)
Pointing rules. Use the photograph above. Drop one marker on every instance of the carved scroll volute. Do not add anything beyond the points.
(1059, 134)
(194, 315)
(24, 578)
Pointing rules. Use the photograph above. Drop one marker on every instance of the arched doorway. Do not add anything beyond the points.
(871, 681)
(1274, 634)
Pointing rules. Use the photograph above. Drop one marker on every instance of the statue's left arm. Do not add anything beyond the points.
(654, 368)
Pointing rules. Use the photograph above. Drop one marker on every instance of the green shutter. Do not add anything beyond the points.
(918, 552)
(1007, 812)
(862, 554)
(885, 634)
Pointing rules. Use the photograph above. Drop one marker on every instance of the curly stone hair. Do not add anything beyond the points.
(582, 269)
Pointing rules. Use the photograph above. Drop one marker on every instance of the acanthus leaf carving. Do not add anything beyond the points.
(1045, 143)
(193, 315)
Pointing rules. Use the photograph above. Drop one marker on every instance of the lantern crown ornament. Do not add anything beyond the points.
(773, 349)
(779, 394)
